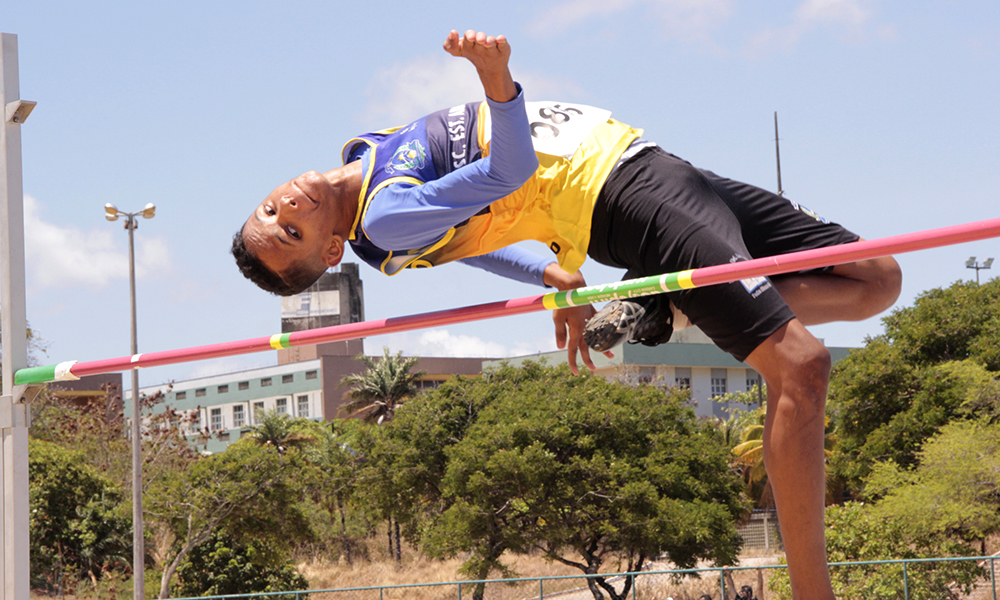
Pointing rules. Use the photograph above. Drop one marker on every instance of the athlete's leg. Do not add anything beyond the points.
(796, 367)
(850, 292)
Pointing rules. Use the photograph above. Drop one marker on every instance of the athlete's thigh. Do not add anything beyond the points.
(772, 224)
(662, 215)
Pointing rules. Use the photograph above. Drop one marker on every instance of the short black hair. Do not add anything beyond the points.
(295, 280)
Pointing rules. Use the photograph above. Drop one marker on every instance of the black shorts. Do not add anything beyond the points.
(658, 214)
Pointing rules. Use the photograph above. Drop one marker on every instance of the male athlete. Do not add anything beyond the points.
(465, 183)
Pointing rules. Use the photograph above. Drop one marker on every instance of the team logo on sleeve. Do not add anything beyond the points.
(408, 157)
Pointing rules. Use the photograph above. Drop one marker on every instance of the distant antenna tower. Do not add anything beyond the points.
(777, 153)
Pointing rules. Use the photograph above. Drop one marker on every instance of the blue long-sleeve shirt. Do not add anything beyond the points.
(411, 216)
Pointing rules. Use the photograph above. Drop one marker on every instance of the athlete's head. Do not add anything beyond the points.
(292, 236)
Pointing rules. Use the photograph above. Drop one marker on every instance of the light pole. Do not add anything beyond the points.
(112, 213)
(972, 264)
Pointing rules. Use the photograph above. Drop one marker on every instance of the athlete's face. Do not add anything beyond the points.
(295, 225)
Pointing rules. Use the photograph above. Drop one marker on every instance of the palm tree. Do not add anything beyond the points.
(749, 457)
(279, 431)
(378, 391)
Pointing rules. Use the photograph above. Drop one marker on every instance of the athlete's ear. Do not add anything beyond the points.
(334, 252)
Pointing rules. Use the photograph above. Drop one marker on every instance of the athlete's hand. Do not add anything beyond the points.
(571, 322)
(490, 56)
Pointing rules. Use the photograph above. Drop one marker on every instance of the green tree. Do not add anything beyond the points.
(953, 491)
(935, 362)
(855, 532)
(77, 526)
(377, 392)
(375, 396)
(248, 490)
(586, 471)
(405, 461)
(281, 431)
(331, 477)
(222, 565)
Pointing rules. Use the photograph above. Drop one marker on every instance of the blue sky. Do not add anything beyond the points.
(888, 111)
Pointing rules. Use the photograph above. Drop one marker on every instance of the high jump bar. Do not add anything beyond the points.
(669, 282)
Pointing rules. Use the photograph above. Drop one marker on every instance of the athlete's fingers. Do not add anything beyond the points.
(451, 42)
(560, 323)
(572, 360)
(585, 354)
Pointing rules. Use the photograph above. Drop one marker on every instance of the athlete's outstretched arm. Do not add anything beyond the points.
(490, 56)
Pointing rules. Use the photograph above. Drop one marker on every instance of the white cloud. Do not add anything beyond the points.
(561, 17)
(687, 21)
(409, 90)
(441, 342)
(851, 17)
(59, 256)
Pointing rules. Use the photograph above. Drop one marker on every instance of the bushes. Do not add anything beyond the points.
(224, 566)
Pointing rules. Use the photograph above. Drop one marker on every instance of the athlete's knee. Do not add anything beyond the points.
(808, 369)
(886, 283)
(799, 364)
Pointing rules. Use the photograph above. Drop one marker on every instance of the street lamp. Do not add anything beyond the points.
(112, 213)
(972, 264)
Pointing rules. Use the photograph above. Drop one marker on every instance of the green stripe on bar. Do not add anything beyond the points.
(32, 375)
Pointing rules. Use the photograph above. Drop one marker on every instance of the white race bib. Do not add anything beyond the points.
(558, 128)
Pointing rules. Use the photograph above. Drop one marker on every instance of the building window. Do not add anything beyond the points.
(281, 406)
(199, 392)
(223, 389)
(303, 406)
(243, 385)
(752, 379)
(195, 418)
(264, 382)
(258, 411)
(719, 382)
(238, 417)
(216, 419)
(287, 378)
(182, 395)
(682, 378)
(310, 374)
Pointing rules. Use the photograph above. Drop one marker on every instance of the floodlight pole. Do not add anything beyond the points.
(14, 413)
(777, 154)
(972, 263)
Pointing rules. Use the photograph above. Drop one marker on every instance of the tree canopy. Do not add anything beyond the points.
(936, 361)
(77, 525)
(856, 532)
(955, 488)
(588, 472)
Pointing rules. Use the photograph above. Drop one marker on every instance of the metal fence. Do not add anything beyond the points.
(673, 584)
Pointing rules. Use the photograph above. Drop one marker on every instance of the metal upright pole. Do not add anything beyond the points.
(777, 153)
(138, 539)
(14, 415)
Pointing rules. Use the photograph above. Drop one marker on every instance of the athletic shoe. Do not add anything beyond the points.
(647, 321)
